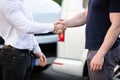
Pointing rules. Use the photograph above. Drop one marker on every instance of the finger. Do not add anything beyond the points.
(92, 67)
(61, 19)
(41, 58)
(57, 22)
(56, 27)
(44, 59)
(43, 63)
(97, 68)
(54, 31)
(62, 22)
(59, 31)
(100, 67)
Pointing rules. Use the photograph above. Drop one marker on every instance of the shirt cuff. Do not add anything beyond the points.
(37, 50)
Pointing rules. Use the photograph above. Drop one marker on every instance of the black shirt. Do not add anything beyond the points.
(98, 21)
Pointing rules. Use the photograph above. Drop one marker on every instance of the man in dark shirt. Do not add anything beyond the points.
(102, 18)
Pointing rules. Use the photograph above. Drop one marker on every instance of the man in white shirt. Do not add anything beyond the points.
(17, 29)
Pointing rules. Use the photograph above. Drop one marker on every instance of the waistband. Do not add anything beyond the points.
(9, 47)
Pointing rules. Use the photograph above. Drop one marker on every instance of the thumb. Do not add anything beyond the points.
(41, 57)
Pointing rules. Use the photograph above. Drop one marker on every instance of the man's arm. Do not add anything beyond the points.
(13, 14)
(112, 34)
(78, 20)
(110, 38)
(39, 54)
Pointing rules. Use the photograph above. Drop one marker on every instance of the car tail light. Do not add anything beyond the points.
(61, 37)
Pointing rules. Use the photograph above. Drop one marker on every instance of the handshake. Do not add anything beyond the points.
(59, 27)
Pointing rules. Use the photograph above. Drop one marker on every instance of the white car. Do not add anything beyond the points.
(71, 52)
(45, 11)
(71, 55)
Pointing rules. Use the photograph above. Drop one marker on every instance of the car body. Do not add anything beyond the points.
(71, 55)
(71, 52)
(45, 11)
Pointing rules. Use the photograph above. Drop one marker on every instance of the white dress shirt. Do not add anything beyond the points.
(17, 27)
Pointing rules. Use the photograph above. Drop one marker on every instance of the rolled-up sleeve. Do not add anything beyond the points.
(12, 12)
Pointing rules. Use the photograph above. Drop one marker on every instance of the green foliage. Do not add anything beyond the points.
(85, 3)
(58, 1)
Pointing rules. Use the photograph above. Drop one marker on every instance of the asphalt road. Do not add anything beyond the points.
(49, 74)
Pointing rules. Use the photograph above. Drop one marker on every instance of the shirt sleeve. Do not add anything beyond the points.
(36, 47)
(12, 12)
(114, 5)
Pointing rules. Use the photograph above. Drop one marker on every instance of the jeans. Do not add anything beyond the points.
(110, 61)
(15, 64)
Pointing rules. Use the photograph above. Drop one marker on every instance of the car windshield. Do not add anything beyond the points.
(44, 10)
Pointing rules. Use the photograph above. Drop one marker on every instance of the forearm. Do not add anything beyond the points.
(13, 14)
(77, 20)
(36, 28)
(110, 38)
(36, 47)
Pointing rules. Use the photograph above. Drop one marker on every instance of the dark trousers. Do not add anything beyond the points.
(15, 64)
(110, 61)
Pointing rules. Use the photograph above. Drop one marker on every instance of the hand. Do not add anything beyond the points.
(96, 63)
(42, 58)
(59, 27)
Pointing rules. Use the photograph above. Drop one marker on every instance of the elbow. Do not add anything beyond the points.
(23, 27)
(116, 27)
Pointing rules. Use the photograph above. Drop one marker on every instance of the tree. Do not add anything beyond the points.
(58, 1)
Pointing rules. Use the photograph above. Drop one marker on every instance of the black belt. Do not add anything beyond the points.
(8, 47)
